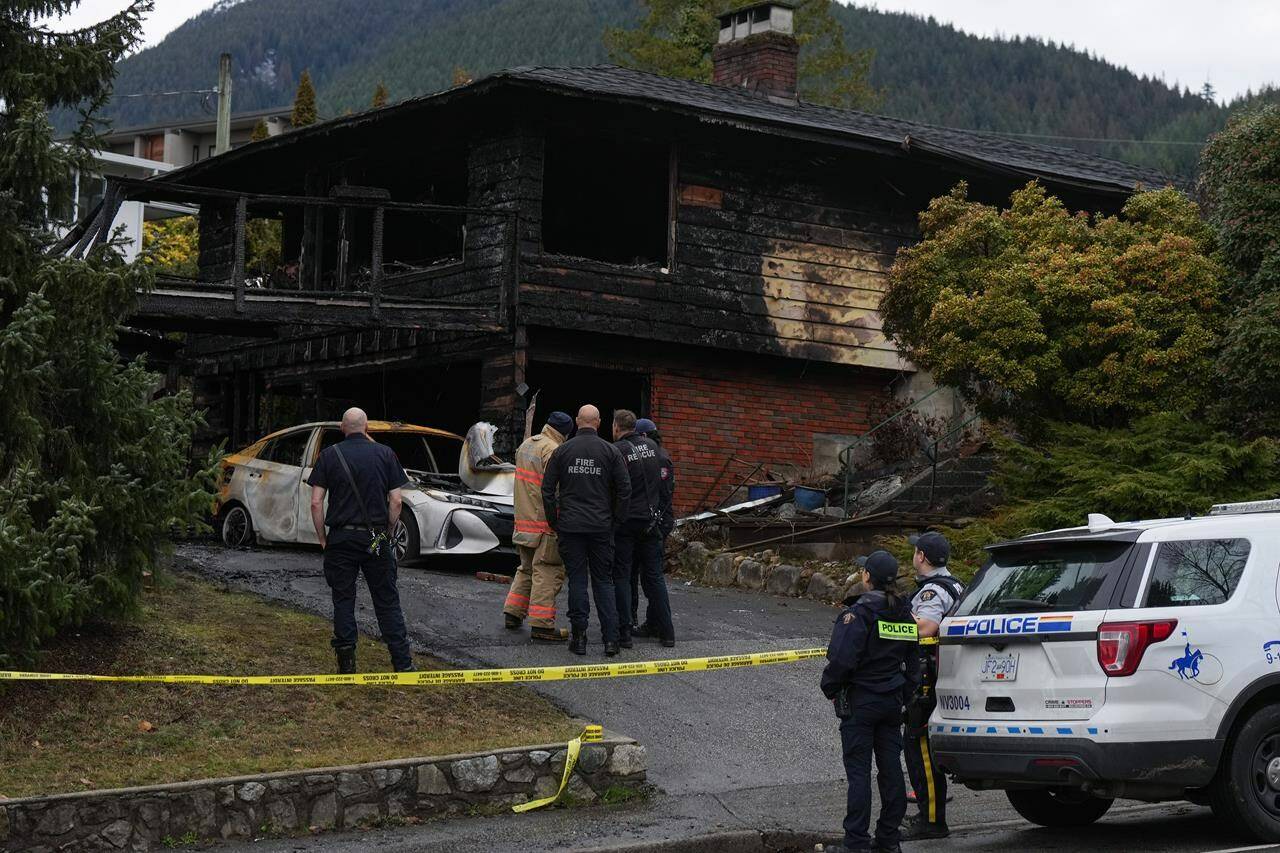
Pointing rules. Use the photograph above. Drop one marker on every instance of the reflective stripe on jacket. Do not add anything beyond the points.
(531, 462)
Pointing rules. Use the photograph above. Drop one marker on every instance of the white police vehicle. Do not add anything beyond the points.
(1137, 660)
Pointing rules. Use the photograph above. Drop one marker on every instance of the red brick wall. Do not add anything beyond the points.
(761, 414)
(765, 61)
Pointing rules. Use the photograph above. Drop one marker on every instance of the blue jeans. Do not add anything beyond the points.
(347, 555)
(874, 727)
(637, 553)
(588, 559)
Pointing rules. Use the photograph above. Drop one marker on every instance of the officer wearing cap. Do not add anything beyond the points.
(937, 594)
(872, 667)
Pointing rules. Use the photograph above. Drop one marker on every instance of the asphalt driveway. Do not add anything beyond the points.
(746, 750)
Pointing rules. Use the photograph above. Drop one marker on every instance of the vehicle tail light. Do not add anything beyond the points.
(1122, 644)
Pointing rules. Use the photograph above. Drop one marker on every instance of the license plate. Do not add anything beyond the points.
(999, 668)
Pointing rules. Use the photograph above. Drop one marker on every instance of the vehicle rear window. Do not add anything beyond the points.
(1048, 577)
(1199, 571)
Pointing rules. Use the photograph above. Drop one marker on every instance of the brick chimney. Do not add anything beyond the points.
(757, 50)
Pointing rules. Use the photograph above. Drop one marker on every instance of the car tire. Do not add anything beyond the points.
(1058, 807)
(237, 527)
(1246, 792)
(405, 541)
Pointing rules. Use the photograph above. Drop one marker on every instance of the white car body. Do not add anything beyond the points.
(268, 480)
(1168, 730)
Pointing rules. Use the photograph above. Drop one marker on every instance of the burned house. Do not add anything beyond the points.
(711, 255)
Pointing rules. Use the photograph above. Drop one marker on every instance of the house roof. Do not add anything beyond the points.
(749, 110)
(977, 147)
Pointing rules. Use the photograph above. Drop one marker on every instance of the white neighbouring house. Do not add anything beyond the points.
(91, 186)
(143, 152)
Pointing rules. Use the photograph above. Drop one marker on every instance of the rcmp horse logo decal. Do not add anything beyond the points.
(1188, 666)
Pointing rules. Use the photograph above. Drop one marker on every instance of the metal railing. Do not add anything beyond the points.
(932, 452)
(846, 455)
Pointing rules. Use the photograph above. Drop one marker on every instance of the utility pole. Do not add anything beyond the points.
(222, 138)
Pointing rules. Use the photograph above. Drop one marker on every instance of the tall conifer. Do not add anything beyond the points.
(92, 465)
(304, 103)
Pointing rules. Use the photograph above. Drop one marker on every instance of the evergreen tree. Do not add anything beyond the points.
(676, 37)
(92, 467)
(380, 95)
(304, 103)
(1240, 184)
(260, 131)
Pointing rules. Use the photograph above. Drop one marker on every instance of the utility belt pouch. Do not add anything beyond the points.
(919, 710)
(844, 703)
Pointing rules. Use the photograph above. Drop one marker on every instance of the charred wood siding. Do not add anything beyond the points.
(782, 260)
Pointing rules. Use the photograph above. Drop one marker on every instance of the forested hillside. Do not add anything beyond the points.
(927, 71)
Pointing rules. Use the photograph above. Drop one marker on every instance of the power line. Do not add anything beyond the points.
(190, 91)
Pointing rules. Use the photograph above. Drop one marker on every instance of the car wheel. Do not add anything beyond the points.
(1058, 807)
(404, 540)
(1246, 792)
(237, 527)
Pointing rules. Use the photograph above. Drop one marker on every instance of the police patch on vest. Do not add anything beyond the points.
(897, 631)
(928, 595)
(848, 617)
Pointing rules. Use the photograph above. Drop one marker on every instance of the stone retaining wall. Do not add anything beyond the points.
(764, 572)
(140, 819)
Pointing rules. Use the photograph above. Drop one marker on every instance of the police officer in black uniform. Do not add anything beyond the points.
(667, 476)
(586, 493)
(872, 667)
(637, 542)
(937, 594)
(362, 480)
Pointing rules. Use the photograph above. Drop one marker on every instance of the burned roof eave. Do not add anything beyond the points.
(904, 147)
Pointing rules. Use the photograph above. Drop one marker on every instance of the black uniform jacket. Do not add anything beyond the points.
(644, 467)
(585, 488)
(667, 472)
(864, 656)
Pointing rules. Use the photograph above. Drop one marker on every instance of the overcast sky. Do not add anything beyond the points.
(1230, 43)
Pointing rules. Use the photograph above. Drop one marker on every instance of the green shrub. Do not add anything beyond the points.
(1035, 312)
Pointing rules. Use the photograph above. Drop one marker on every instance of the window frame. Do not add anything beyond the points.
(268, 450)
(1155, 562)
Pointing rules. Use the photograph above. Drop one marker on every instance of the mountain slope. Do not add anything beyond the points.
(929, 72)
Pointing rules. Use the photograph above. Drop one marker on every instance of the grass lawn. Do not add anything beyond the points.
(74, 736)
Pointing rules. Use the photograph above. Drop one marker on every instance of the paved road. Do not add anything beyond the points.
(752, 749)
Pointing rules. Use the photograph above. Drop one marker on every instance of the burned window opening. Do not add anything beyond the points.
(606, 198)
(566, 388)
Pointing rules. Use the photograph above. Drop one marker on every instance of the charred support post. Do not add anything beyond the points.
(375, 263)
(237, 258)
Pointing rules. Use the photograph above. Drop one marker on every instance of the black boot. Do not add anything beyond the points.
(578, 643)
(918, 829)
(611, 648)
(346, 659)
(624, 638)
(511, 623)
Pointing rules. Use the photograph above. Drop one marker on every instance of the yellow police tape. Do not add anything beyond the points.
(455, 676)
(589, 735)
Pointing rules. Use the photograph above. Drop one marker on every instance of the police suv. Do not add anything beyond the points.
(1137, 660)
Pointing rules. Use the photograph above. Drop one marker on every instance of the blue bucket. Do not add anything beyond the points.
(810, 499)
(767, 490)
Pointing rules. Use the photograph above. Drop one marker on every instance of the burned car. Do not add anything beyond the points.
(459, 499)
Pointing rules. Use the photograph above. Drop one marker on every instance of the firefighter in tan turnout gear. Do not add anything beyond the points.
(541, 573)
